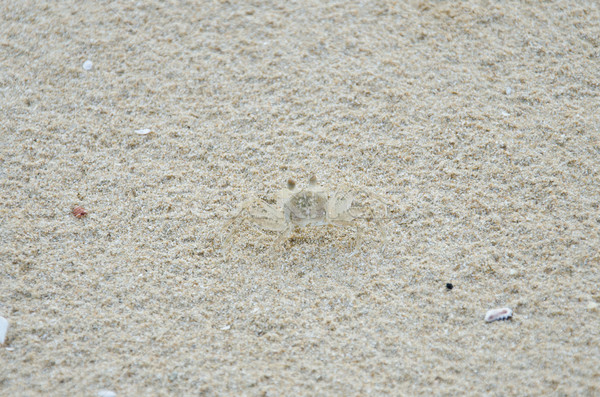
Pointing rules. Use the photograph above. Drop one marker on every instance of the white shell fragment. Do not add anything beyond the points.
(87, 65)
(498, 314)
(144, 131)
(107, 393)
(3, 330)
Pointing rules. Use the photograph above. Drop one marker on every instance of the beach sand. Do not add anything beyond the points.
(478, 121)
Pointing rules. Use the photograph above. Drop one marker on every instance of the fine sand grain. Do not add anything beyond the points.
(479, 121)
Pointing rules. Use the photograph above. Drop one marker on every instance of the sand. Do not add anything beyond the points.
(478, 122)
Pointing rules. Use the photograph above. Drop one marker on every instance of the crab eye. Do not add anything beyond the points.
(313, 180)
(291, 184)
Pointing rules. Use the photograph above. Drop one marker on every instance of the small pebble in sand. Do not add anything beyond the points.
(498, 314)
(107, 393)
(508, 91)
(144, 131)
(87, 65)
(3, 330)
(449, 286)
(79, 212)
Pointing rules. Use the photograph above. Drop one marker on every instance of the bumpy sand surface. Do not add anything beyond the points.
(478, 121)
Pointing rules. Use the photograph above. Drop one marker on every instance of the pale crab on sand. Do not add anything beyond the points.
(311, 206)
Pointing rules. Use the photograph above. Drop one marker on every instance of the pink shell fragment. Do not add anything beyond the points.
(79, 212)
(498, 314)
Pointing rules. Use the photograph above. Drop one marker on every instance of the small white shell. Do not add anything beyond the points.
(144, 131)
(3, 330)
(87, 65)
(106, 393)
(498, 314)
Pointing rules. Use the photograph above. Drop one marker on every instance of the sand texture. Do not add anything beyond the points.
(477, 121)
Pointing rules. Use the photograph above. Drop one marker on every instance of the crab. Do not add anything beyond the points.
(311, 206)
